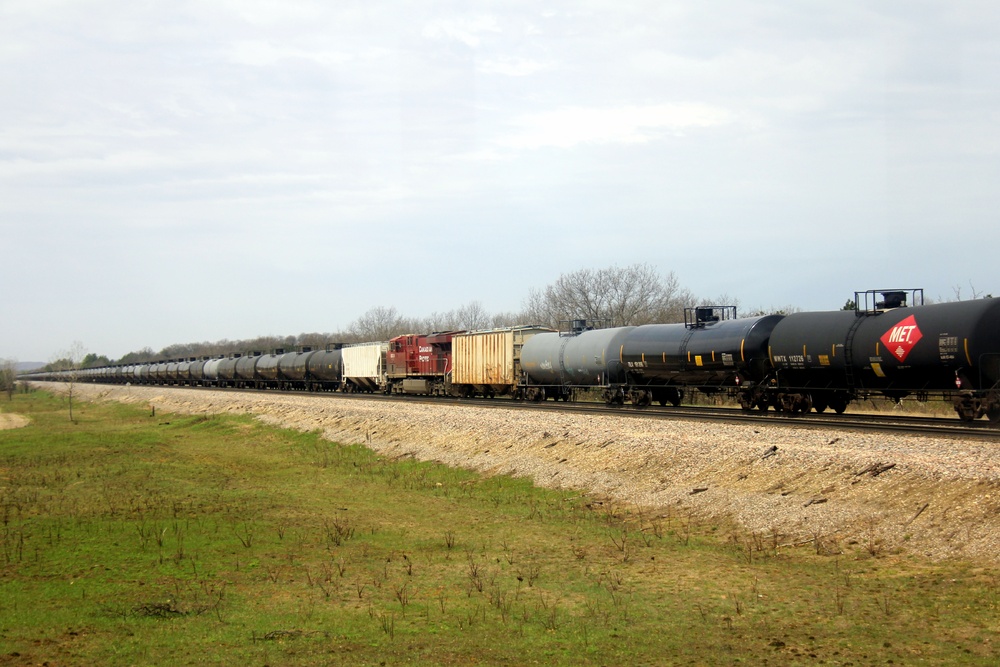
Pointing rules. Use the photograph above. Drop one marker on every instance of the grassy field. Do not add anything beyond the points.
(129, 538)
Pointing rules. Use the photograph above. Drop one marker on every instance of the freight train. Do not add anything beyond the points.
(891, 344)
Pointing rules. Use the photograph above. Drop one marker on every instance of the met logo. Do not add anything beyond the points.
(900, 339)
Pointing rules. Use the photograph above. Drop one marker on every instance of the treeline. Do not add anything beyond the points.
(633, 295)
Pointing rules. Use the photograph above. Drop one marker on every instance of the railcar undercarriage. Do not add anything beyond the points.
(972, 405)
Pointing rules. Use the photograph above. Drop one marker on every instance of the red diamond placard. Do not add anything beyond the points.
(901, 338)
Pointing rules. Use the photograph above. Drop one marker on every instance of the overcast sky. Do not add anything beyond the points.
(180, 171)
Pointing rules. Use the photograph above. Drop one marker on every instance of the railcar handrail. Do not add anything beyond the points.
(891, 299)
(700, 316)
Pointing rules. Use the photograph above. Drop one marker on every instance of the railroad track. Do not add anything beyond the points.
(890, 424)
(897, 425)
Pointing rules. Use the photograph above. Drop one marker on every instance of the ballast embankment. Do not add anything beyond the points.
(837, 490)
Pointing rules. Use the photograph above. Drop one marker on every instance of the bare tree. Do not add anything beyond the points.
(69, 365)
(469, 317)
(472, 316)
(500, 320)
(636, 294)
(8, 377)
(976, 294)
(633, 295)
(318, 341)
(787, 309)
(379, 323)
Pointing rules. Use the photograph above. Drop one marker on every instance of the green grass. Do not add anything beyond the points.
(128, 538)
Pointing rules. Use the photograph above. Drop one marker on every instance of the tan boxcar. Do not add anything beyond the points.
(489, 362)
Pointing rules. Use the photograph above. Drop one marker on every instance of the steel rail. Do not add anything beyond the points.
(863, 422)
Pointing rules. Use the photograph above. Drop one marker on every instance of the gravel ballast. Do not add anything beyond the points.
(835, 490)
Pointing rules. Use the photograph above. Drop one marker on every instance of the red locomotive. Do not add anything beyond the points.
(418, 364)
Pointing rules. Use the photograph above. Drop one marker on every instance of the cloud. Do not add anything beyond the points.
(510, 66)
(466, 31)
(572, 126)
(268, 13)
(264, 133)
(264, 53)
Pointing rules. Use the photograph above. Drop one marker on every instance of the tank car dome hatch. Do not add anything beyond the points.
(876, 301)
(892, 300)
(700, 316)
(579, 325)
(705, 315)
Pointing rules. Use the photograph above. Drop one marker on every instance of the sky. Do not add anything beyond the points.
(186, 171)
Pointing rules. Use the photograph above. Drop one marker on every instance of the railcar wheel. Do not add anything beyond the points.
(641, 398)
(671, 396)
(966, 416)
(838, 404)
(614, 396)
(993, 415)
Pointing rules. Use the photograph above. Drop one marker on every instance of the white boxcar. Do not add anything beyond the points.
(489, 362)
(364, 366)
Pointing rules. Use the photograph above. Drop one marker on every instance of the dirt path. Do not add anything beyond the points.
(10, 420)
